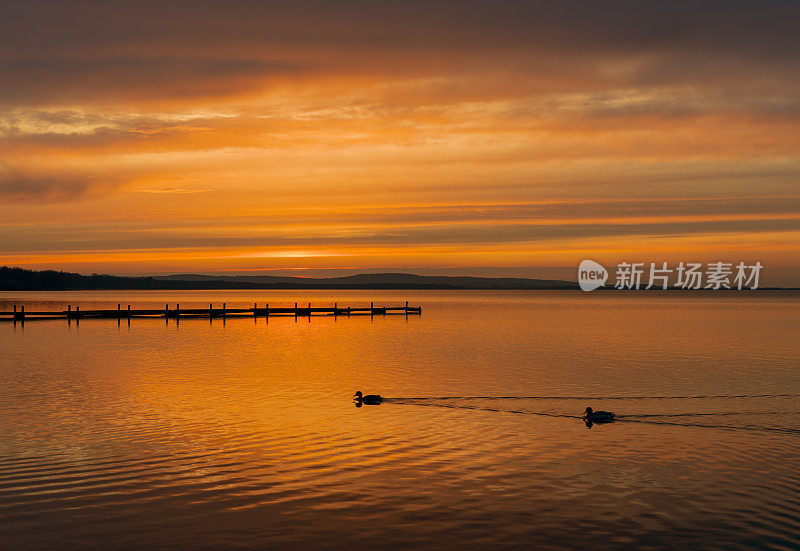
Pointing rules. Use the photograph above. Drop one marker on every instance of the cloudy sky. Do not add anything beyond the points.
(431, 137)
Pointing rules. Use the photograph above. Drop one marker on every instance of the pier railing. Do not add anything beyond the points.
(19, 314)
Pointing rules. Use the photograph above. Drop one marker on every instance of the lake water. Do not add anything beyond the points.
(210, 435)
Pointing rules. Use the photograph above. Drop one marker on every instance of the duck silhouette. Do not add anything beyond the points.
(591, 416)
(369, 399)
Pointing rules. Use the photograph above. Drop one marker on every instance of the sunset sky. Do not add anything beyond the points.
(483, 138)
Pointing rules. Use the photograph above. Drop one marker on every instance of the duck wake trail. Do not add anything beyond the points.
(776, 413)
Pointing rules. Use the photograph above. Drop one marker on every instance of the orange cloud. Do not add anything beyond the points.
(403, 135)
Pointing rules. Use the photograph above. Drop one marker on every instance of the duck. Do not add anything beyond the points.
(598, 416)
(369, 399)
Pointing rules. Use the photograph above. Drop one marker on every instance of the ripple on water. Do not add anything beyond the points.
(207, 436)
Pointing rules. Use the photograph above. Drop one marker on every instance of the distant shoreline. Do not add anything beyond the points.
(19, 279)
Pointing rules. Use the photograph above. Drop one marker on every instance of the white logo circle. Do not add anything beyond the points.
(591, 275)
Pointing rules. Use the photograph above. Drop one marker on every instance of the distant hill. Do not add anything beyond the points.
(18, 279)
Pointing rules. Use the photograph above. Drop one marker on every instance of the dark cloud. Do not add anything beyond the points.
(64, 51)
(18, 186)
(752, 208)
(760, 28)
(88, 238)
(700, 207)
(37, 80)
(360, 220)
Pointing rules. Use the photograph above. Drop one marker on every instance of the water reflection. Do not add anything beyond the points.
(241, 433)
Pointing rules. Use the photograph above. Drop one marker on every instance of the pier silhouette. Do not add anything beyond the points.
(18, 314)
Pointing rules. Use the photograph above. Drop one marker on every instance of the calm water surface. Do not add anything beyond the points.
(212, 435)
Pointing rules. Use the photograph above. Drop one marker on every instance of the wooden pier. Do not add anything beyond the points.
(18, 314)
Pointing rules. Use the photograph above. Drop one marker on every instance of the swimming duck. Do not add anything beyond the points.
(598, 416)
(369, 399)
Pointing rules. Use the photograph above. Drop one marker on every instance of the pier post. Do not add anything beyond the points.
(69, 312)
(295, 310)
(371, 309)
(266, 310)
(129, 312)
(19, 315)
(210, 310)
(119, 311)
(224, 307)
(255, 305)
(166, 310)
(334, 309)
(177, 311)
(77, 312)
